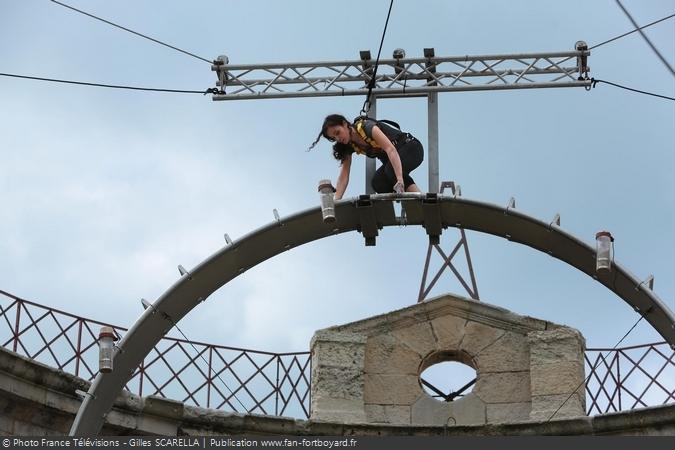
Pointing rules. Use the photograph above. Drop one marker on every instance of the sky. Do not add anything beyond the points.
(104, 192)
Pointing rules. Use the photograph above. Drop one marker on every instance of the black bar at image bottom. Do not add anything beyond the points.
(342, 442)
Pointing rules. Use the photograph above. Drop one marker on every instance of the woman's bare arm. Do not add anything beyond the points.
(343, 177)
(384, 142)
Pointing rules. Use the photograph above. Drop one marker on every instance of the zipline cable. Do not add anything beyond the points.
(593, 369)
(371, 83)
(652, 46)
(132, 31)
(631, 32)
(595, 82)
(113, 86)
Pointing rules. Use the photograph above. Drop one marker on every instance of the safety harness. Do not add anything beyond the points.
(359, 126)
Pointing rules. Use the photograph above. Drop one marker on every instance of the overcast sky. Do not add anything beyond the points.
(104, 192)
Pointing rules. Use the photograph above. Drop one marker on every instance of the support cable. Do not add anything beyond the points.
(114, 86)
(595, 82)
(132, 31)
(631, 32)
(371, 83)
(593, 368)
(637, 29)
(654, 49)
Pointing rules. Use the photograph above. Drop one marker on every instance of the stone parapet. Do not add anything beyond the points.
(36, 399)
(522, 366)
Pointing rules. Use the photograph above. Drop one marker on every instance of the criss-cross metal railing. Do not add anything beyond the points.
(629, 377)
(196, 373)
(229, 378)
(244, 380)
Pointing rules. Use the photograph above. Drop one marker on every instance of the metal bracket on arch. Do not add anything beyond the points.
(367, 219)
(432, 217)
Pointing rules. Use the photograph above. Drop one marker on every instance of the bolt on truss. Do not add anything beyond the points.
(402, 76)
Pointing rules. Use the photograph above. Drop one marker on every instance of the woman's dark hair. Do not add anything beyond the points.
(340, 151)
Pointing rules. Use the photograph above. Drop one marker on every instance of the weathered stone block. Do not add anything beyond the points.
(468, 410)
(478, 337)
(390, 414)
(341, 349)
(386, 355)
(563, 406)
(121, 419)
(375, 414)
(60, 402)
(557, 378)
(510, 353)
(555, 345)
(503, 387)
(418, 337)
(338, 355)
(391, 389)
(429, 411)
(22, 388)
(160, 406)
(337, 382)
(508, 412)
(147, 423)
(338, 410)
(449, 332)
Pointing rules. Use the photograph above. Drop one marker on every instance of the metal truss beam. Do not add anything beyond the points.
(402, 76)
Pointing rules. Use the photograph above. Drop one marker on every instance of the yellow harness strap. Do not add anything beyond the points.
(362, 132)
(357, 149)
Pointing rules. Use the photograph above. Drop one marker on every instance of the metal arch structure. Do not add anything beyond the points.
(366, 214)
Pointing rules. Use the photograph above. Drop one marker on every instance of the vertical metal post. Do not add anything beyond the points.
(277, 388)
(309, 389)
(141, 374)
(78, 350)
(370, 162)
(618, 376)
(210, 378)
(16, 326)
(432, 151)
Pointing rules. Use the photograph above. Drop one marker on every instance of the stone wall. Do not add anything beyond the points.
(369, 371)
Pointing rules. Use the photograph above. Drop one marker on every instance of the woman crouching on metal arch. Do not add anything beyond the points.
(399, 152)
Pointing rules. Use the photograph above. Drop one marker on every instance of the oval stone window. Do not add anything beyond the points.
(446, 376)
